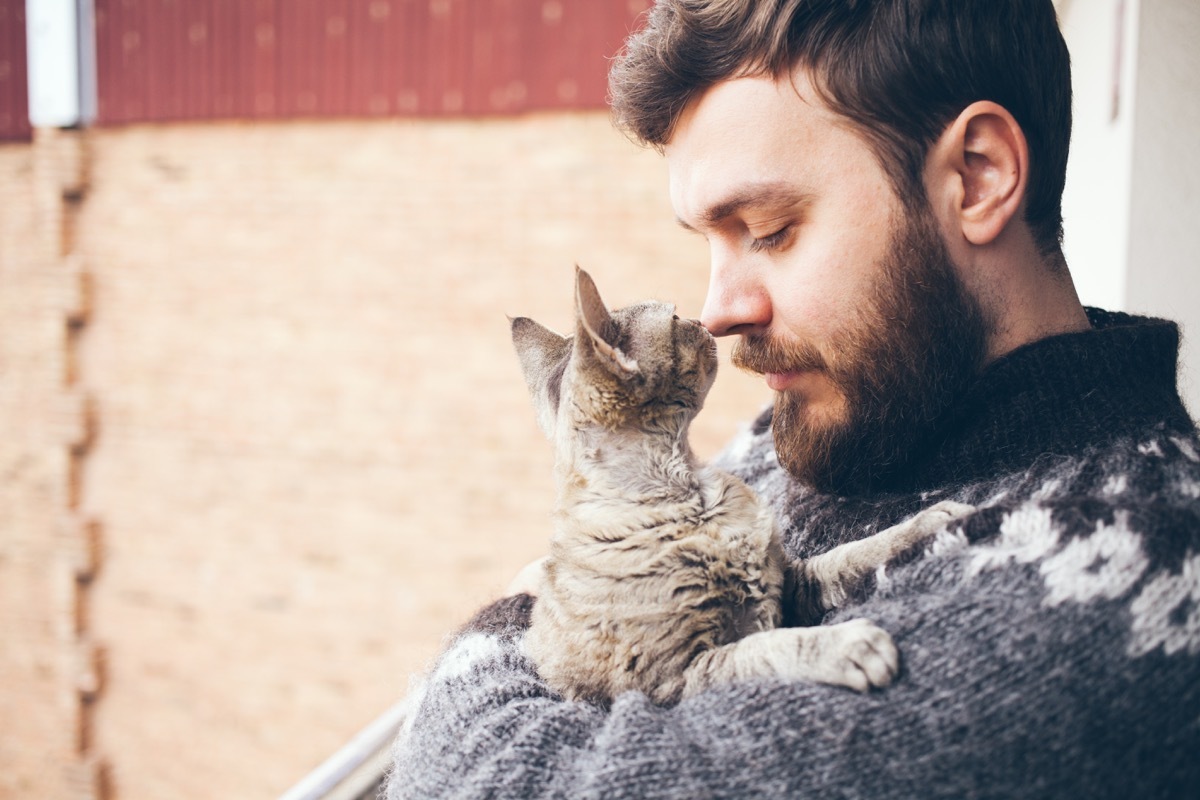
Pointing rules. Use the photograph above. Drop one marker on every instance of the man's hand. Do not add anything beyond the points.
(528, 580)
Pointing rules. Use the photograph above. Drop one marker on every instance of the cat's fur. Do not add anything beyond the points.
(666, 575)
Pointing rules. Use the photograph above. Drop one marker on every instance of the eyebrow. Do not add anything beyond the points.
(753, 196)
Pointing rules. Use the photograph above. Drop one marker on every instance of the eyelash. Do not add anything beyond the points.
(771, 241)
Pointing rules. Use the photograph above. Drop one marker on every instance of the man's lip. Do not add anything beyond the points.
(780, 381)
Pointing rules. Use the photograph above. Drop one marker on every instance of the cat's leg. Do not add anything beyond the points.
(856, 654)
(823, 582)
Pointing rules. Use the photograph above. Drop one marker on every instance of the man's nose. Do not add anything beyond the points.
(736, 301)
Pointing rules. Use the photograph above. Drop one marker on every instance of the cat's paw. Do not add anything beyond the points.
(856, 654)
(938, 516)
(922, 526)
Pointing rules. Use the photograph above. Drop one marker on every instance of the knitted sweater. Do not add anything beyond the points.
(1050, 642)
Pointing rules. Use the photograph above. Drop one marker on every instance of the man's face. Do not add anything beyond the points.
(846, 301)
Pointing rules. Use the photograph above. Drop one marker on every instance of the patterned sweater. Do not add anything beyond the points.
(1050, 642)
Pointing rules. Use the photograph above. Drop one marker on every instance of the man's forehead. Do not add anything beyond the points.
(752, 141)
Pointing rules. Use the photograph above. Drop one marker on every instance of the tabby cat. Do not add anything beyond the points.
(666, 575)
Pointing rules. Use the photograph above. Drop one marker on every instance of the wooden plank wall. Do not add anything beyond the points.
(14, 88)
(251, 59)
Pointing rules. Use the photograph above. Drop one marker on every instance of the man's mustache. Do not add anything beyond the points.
(761, 354)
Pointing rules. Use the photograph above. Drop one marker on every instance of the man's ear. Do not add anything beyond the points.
(978, 170)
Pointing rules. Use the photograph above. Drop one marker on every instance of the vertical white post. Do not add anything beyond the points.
(62, 62)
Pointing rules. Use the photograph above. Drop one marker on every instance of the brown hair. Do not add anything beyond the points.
(899, 70)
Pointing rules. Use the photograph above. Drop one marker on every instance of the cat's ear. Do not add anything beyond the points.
(596, 325)
(543, 355)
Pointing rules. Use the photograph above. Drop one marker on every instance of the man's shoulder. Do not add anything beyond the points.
(1136, 498)
(1154, 477)
(1105, 542)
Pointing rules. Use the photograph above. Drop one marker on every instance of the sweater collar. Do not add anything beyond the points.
(1058, 396)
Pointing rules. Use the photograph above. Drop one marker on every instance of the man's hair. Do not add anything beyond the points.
(899, 70)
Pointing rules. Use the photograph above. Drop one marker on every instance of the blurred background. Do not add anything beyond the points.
(264, 439)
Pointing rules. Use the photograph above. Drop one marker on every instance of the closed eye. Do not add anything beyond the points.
(772, 241)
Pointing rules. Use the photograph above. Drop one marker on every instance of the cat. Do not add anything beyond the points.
(667, 575)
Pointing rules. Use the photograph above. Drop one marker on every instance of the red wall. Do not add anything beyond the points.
(14, 89)
(201, 59)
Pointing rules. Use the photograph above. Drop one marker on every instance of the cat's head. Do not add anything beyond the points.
(641, 366)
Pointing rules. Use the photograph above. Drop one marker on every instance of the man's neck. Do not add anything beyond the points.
(1027, 295)
(1035, 319)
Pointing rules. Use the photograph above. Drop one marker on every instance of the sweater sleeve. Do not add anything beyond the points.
(1034, 665)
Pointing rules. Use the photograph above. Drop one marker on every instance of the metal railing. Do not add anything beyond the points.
(358, 769)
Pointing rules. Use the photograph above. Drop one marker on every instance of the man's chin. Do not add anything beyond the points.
(806, 444)
(811, 404)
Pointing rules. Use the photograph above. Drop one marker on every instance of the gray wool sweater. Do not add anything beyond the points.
(1050, 642)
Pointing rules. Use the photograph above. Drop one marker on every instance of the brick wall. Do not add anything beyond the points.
(49, 665)
(313, 453)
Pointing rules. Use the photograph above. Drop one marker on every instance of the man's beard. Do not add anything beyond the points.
(916, 344)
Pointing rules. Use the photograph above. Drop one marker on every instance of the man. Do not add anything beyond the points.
(879, 186)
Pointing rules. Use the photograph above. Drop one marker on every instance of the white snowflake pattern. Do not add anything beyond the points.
(1026, 535)
(1048, 490)
(948, 541)
(1108, 564)
(465, 654)
(1167, 612)
(1116, 484)
(1104, 565)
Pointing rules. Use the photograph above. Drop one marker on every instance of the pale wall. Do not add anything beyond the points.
(48, 663)
(1096, 199)
(1131, 201)
(315, 456)
(1164, 248)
